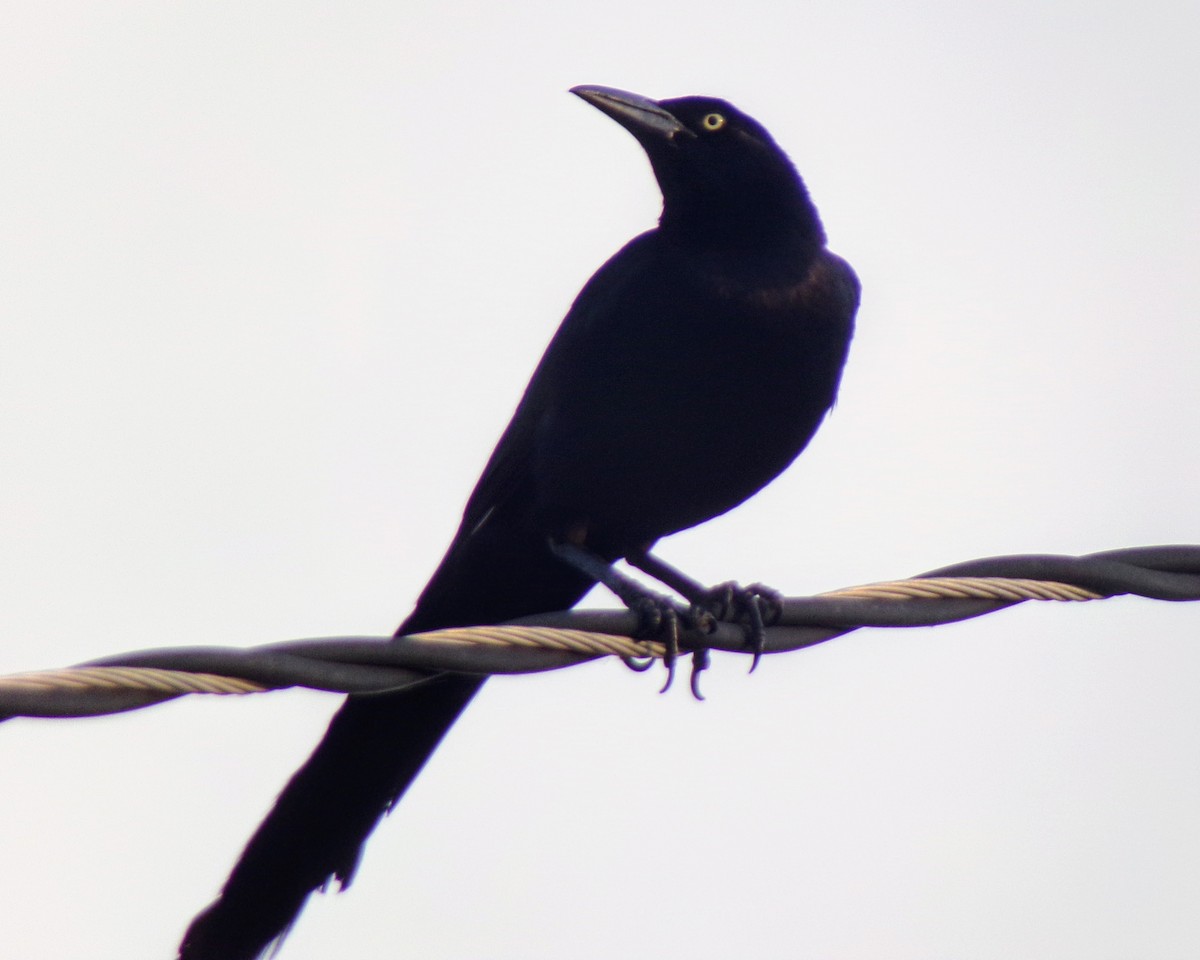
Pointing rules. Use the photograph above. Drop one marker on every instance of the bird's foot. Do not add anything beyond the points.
(659, 617)
(663, 620)
(756, 607)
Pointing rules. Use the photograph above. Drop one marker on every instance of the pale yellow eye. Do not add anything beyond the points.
(713, 121)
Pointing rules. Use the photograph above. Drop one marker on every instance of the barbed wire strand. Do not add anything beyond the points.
(364, 665)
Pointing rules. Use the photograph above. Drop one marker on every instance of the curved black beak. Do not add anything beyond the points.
(641, 116)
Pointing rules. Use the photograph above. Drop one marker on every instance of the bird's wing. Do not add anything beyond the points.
(509, 472)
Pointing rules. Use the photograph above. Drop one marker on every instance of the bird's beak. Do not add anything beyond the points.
(641, 116)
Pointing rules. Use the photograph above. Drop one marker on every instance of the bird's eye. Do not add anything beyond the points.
(713, 121)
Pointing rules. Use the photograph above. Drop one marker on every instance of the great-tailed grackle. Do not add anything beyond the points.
(689, 372)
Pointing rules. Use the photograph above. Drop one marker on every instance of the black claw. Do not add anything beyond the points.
(657, 620)
(638, 664)
(670, 658)
(700, 661)
(756, 606)
(722, 600)
(763, 606)
(770, 600)
(756, 634)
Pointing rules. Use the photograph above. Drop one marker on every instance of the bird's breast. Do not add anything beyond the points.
(686, 412)
(823, 288)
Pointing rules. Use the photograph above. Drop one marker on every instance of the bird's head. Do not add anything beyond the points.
(720, 171)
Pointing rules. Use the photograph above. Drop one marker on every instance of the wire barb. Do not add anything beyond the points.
(550, 641)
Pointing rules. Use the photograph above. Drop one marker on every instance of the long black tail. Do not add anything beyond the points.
(373, 750)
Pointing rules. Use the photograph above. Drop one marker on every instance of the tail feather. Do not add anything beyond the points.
(374, 748)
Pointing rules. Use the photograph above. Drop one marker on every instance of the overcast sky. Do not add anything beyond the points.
(273, 276)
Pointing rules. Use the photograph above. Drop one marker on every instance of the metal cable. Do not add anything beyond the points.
(551, 641)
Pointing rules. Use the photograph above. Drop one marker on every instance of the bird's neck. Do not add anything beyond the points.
(770, 219)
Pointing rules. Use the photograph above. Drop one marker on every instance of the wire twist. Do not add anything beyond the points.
(551, 641)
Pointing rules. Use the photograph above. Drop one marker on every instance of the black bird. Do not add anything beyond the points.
(690, 371)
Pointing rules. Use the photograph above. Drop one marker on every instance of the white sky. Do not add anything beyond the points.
(274, 275)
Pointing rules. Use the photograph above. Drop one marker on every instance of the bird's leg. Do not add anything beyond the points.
(757, 606)
(658, 616)
(650, 607)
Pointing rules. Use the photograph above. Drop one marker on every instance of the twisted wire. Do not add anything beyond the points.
(551, 641)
